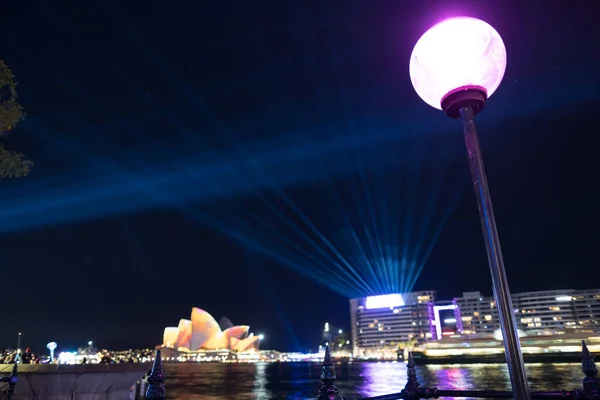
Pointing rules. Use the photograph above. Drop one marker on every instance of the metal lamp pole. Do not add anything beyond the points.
(455, 66)
(512, 346)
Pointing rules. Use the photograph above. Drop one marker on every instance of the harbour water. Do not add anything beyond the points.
(215, 381)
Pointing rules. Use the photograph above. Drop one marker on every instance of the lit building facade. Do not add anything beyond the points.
(386, 321)
(544, 311)
(445, 319)
(202, 332)
(558, 310)
(586, 304)
(477, 314)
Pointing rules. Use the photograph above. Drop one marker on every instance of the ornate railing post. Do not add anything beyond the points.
(328, 389)
(413, 389)
(591, 382)
(156, 389)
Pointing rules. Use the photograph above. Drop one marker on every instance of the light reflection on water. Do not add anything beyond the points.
(381, 378)
(260, 382)
(301, 381)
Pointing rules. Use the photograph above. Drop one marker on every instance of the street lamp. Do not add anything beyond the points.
(51, 346)
(455, 67)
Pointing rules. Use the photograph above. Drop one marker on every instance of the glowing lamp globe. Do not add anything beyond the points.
(457, 55)
(51, 346)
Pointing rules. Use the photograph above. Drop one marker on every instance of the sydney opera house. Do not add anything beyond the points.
(202, 332)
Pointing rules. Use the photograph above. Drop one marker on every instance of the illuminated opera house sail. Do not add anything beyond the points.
(202, 332)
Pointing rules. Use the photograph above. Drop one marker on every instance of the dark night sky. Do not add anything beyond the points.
(118, 91)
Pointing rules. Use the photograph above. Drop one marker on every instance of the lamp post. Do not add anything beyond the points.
(455, 67)
(51, 346)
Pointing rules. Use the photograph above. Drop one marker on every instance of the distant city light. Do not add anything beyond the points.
(326, 326)
(564, 298)
(498, 334)
(261, 336)
(67, 357)
(340, 331)
(90, 343)
(384, 301)
(450, 320)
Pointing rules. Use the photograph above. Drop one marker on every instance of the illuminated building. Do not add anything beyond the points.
(586, 304)
(544, 311)
(390, 320)
(202, 332)
(445, 319)
(478, 314)
(382, 323)
(558, 310)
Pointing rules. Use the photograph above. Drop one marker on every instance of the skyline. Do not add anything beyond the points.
(277, 158)
(347, 327)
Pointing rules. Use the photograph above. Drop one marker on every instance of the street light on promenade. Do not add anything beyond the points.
(455, 67)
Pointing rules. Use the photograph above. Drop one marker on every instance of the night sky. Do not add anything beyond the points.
(160, 130)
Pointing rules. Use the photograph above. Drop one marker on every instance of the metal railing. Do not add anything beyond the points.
(414, 391)
(11, 382)
(155, 380)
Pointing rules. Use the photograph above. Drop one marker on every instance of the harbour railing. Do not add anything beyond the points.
(414, 391)
(7, 391)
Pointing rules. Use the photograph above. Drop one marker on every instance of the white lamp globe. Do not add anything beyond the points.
(456, 53)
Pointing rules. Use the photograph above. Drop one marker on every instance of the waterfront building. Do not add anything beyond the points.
(558, 310)
(382, 324)
(388, 321)
(548, 311)
(586, 304)
(477, 314)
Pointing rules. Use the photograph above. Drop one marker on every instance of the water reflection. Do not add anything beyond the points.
(476, 376)
(382, 378)
(455, 377)
(260, 383)
(355, 380)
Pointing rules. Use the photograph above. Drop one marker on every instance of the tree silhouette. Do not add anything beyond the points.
(12, 164)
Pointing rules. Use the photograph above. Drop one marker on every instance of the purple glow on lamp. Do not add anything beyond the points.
(455, 67)
(456, 53)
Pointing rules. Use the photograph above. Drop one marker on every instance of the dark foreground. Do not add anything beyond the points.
(355, 380)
